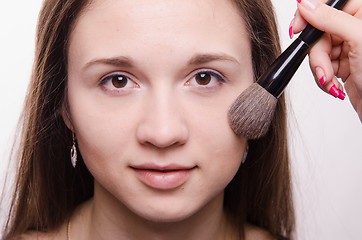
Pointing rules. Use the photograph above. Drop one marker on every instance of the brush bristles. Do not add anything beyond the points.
(252, 112)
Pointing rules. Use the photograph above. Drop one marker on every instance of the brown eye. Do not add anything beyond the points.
(203, 78)
(119, 81)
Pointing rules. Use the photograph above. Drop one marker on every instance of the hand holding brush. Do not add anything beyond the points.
(338, 54)
(252, 112)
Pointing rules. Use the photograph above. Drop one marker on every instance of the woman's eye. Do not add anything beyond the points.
(203, 78)
(206, 79)
(117, 81)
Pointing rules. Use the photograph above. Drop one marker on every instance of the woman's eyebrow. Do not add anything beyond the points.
(198, 59)
(120, 61)
(205, 58)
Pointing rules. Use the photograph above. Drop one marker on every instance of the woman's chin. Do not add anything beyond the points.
(170, 214)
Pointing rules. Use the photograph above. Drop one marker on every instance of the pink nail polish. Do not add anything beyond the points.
(334, 91)
(322, 80)
(341, 95)
(291, 32)
(320, 74)
(299, 1)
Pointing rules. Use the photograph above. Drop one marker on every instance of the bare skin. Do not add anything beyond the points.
(110, 215)
(81, 217)
(149, 91)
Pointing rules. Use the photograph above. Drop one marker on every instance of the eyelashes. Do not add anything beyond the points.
(118, 82)
(202, 79)
(206, 79)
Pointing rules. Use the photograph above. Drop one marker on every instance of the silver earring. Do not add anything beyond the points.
(73, 153)
(245, 153)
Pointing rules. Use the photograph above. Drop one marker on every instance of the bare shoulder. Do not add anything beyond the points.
(32, 235)
(59, 234)
(256, 233)
(37, 236)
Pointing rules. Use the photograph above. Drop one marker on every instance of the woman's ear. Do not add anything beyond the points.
(65, 112)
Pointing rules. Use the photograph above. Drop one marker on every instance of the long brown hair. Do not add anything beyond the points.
(261, 191)
(48, 189)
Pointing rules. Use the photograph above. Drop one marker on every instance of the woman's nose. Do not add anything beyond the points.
(162, 124)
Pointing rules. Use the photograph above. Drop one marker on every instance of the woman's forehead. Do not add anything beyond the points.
(161, 7)
(109, 26)
(176, 15)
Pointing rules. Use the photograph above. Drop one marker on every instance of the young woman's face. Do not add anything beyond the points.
(150, 85)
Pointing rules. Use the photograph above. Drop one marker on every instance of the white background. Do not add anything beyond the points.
(325, 133)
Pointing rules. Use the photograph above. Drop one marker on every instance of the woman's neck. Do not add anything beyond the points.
(104, 217)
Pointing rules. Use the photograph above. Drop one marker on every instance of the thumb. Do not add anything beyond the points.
(330, 20)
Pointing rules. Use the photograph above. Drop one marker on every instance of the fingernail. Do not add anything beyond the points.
(334, 91)
(320, 75)
(341, 95)
(291, 34)
(311, 4)
(322, 80)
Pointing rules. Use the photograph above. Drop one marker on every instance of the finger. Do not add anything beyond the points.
(353, 8)
(344, 64)
(340, 61)
(319, 56)
(331, 20)
(333, 87)
(297, 24)
(323, 69)
(335, 52)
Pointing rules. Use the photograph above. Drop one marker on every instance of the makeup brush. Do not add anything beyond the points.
(252, 112)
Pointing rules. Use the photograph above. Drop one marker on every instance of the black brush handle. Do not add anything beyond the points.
(278, 75)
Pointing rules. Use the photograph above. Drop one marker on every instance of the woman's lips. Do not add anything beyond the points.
(167, 177)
